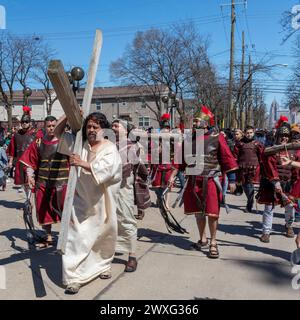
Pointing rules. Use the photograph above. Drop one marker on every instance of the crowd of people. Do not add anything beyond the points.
(110, 184)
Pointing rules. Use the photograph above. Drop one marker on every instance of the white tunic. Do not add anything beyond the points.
(92, 232)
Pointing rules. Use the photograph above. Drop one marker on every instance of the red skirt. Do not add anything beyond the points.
(161, 175)
(20, 174)
(49, 204)
(212, 200)
(249, 175)
(295, 191)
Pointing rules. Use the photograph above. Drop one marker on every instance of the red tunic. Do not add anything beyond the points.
(266, 193)
(16, 148)
(295, 190)
(49, 198)
(160, 172)
(194, 189)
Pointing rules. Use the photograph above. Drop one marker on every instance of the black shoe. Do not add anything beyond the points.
(239, 191)
(249, 207)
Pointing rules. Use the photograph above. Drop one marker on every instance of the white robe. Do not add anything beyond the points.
(127, 224)
(92, 232)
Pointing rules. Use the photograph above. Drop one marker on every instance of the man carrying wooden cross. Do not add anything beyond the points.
(92, 233)
(88, 232)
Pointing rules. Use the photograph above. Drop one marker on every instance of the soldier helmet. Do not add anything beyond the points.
(283, 128)
(164, 121)
(295, 132)
(25, 118)
(204, 114)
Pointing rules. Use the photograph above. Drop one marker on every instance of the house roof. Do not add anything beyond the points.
(119, 92)
(99, 92)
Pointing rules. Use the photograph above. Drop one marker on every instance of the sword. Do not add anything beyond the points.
(180, 196)
(218, 184)
(170, 221)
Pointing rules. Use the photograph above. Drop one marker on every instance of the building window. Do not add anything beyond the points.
(98, 105)
(144, 122)
(143, 105)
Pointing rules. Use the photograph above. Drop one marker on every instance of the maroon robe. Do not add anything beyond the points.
(291, 187)
(295, 189)
(16, 148)
(160, 173)
(50, 190)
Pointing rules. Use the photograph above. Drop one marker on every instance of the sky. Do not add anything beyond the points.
(69, 27)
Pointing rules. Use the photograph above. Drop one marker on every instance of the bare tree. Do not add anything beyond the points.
(175, 60)
(259, 109)
(18, 58)
(40, 75)
(287, 25)
(10, 65)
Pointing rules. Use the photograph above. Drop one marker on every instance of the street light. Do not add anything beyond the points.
(171, 104)
(75, 75)
(27, 92)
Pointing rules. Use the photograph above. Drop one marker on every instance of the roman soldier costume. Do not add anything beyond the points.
(278, 181)
(19, 143)
(160, 173)
(248, 153)
(51, 174)
(203, 192)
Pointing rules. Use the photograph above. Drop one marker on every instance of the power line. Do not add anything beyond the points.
(237, 29)
(224, 27)
(248, 31)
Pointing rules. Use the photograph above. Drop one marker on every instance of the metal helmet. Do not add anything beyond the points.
(205, 115)
(25, 118)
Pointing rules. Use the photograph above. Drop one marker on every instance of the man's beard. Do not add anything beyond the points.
(92, 137)
(26, 128)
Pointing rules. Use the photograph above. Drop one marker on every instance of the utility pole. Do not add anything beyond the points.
(231, 71)
(249, 96)
(231, 121)
(241, 102)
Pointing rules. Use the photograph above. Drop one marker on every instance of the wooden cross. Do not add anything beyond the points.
(66, 97)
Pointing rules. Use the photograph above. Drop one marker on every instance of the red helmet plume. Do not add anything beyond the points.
(165, 116)
(281, 120)
(204, 113)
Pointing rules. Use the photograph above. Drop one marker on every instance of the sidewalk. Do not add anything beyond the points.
(167, 269)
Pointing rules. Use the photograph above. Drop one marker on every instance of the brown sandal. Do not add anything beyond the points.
(45, 244)
(198, 246)
(213, 251)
